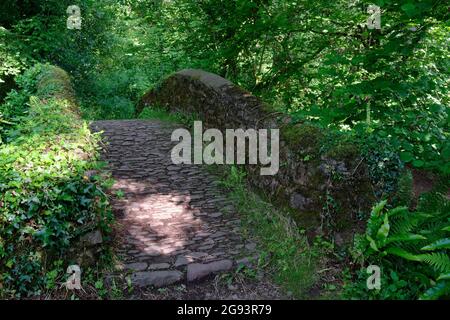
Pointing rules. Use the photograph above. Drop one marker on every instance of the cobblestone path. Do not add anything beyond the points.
(177, 224)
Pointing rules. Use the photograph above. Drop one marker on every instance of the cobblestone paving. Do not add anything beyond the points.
(177, 224)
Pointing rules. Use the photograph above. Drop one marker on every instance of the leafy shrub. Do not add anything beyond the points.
(383, 160)
(293, 263)
(163, 115)
(46, 199)
(11, 62)
(412, 247)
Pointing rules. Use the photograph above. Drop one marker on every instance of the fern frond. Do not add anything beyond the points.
(444, 276)
(378, 208)
(405, 224)
(398, 210)
(439, 244)
(396, 251)
(440, 289)
(405, 237)
(438, 260)
(375, 219)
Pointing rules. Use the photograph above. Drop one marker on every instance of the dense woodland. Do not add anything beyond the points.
(385, 90)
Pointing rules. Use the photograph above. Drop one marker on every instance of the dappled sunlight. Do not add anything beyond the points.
(354, 95)
(173, 220)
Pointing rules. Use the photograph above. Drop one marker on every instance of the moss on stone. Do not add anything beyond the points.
(343, 150)
(269, 108)
(307, 220)
(55, 82)
(305, 138)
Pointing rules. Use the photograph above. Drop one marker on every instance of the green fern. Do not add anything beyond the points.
(444, 276)
(438, 260)
(404, 221)
(420, 237)
(440, 244)
(438, 290)
(399, 252)
(401, 237)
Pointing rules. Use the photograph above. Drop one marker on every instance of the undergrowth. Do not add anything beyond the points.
(293, 262)
(410, 247)
(47, 199)
(159, 113)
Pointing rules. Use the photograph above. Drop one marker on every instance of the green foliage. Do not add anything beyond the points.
(381, 93)
(314, 60)
(306, 138)
(131, 49)
(404, 193)
(318, 62)
(46, 202)
(160, 114)
(292, 261)
(12, 62)
(40, 34)
(414, 245)
(383, 160)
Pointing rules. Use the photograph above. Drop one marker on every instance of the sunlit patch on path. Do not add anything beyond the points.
(177, 224)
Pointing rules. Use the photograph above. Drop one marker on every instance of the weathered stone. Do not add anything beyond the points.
(196, 255)
(207, 247)
(159, 213)
(92, 238)
(247, 261)
(156, 278)
(182, 261)
(298, 201)
(215, 214)
(136, 266)
(159, 266)
(85, 257)
(197, 271)
(218, 234)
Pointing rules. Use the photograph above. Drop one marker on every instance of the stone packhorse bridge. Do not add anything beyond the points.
(307, 174)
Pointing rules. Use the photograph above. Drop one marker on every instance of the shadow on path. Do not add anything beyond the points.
(174, 222)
